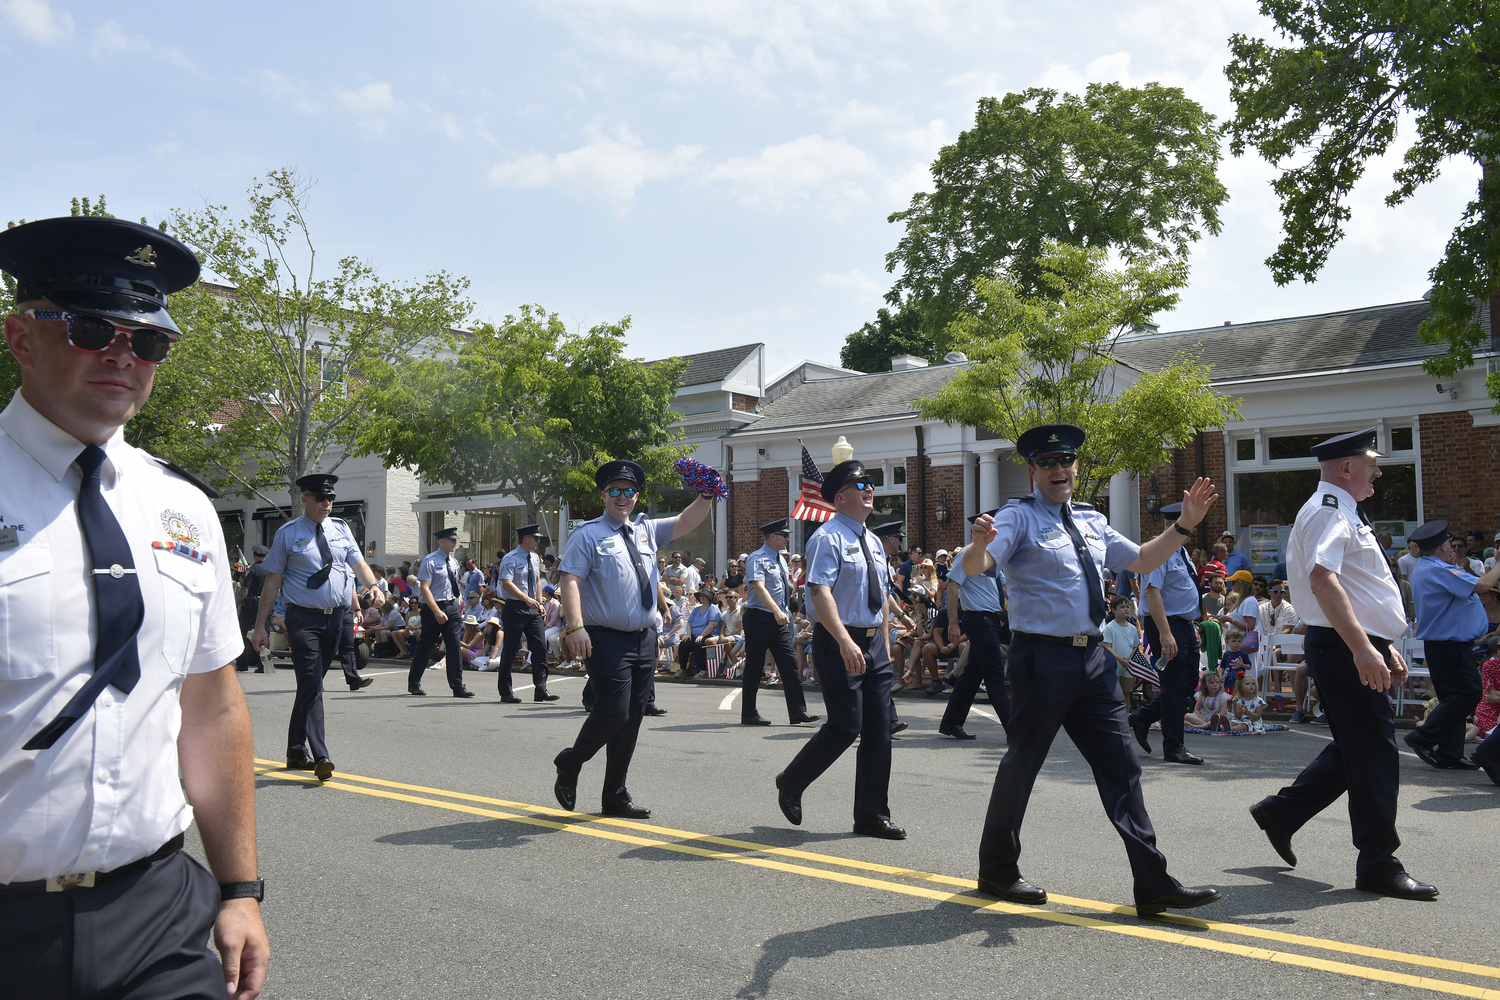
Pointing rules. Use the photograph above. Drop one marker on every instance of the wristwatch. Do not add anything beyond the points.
(1184, 531)
(243, 890)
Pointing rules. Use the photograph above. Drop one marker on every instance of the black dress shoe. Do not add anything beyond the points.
(509, 699)
(298, 761)
(1398, 884)
(323, 769)
(566, 789)
(1421, 749)
(1459, 764)
(463, 693)
(957, 732)
(1019, 891)
(544, 696)
(653, 710)
(1142, 734)
(624, 807)
(1181, 898)
(1180, 755)
(363, 682)
(1280, 841)
(882, 828)
(754, 720)
(1491, 767)
(416, 691)
(897, 727)
(804, 717)
(789, 801)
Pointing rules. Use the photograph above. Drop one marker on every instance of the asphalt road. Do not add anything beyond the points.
(437, 864)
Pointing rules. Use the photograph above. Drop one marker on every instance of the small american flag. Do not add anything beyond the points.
(711, 660)
(1141, 669)
(810, 505)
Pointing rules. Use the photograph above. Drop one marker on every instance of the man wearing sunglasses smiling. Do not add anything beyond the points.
(1051, 552)
(100, 713)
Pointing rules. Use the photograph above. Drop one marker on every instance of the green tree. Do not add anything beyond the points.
(871, 347)
(292, 355)
(1050, 358)
(1132, 169)
(1332, 98)
(528, 408)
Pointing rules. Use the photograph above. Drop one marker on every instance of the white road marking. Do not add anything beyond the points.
(1320, 736)
(988, 715)
(550, 681)
(728, 701)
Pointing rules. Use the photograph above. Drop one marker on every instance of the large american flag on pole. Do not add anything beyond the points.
(810, 505)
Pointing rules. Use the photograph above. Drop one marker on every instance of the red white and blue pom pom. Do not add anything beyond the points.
(701, 479)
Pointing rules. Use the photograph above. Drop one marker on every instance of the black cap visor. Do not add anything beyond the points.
(111, 303)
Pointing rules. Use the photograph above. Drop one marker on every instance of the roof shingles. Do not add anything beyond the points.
(855, 397)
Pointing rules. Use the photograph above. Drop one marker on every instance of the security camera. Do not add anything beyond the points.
(1451, 389)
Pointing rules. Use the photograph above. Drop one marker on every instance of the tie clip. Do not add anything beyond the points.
(115, 571)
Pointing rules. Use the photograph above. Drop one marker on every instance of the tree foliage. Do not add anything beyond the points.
(1324, 104)
(1132, 169)
(871, 347)
(1049, 358)
(528, 408)
(287, 353)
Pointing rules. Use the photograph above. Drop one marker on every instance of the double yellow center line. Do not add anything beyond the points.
(845, 870)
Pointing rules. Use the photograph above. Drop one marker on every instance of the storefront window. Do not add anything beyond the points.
(1295, 446)
(1275, 497)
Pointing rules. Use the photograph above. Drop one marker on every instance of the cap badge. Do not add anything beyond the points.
(1052, 439)
(145, 256)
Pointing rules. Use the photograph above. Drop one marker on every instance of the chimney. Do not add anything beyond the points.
(907, 362)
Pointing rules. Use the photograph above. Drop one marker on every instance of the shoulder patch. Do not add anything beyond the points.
(1329, 500)
(182, 473)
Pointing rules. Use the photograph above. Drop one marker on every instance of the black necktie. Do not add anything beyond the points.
(1090, 571)
(452, 577)
(320, 577)
(1366, 522)
(531, 574)
(640, 567)
(872, 578)
(117, 595)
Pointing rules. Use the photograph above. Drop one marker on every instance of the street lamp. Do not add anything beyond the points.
(843, 451)
(942, 515)
(1153, 500)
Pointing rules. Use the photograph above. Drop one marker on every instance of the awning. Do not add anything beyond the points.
(807, 512)
(270, 513)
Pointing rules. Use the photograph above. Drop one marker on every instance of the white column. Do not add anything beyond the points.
(563, 513)
(1125, 506)
(721, 519)
(968, 504)
(989, 480)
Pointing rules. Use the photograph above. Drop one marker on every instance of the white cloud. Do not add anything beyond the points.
(109, 39)
(855, 281)
(810, 168)
(297, 92)
(610, 167)
(370, 105)
(36, 20)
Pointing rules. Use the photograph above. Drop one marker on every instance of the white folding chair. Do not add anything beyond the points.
(1284, 644)
(1411, 651)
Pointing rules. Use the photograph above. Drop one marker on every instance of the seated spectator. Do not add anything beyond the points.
(733, 634)
(907, 649)
(940, 647)
(1122, 638)
(491, 637)
(1235, 658)
(552, 617)
(1249, 706)
(1211, 707)
(734, 576)
(473, 642)
(802, 643)
(1245, 615)
(704, 622)
(392, 629)
(1213, 597)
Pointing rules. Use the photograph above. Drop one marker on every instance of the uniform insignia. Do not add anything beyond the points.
(183, 549)
(145, 256)
(179, 527)
(1052, 439)
(1329, 500)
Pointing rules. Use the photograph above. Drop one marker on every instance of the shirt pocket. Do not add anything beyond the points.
(1060, 551)
(185, 588)
(26, 603)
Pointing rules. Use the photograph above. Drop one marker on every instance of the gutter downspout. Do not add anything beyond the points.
(921, 491)
(1202, 527)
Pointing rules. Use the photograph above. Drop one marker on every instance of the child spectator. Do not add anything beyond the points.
(1229, 665)
(1249, 706)
(1486, 712)
(1211, 709)
(1122, 639)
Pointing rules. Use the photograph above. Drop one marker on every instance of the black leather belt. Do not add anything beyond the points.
(314, 611)
(1081, 639)
(87, 880)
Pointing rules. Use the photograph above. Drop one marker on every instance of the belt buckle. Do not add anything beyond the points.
(1080, 639)
(62, 883)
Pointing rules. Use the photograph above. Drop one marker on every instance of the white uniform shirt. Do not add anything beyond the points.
(107, 792)
(1328, 533)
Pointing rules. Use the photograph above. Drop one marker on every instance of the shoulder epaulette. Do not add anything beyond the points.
(182, 473)
(1081, 505)
(1329, 500)
(1020, 500)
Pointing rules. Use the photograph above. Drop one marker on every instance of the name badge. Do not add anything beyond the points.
(1053, 535)
(609, 546)
(8, 537)
(851, 550)
(301, 544)
(1365, 529)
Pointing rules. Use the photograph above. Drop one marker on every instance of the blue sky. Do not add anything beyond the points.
(719, 171)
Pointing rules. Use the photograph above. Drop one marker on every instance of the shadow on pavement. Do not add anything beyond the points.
(1279, 893)
(478, 836)
(1460, 803)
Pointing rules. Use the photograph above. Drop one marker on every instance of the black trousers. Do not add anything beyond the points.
(762, 634)
(1056, 685)
(141, 936)
(348, 654)
(520, 622)
(620, 668)
(858, 707)
(1362, 759)
(314, 639)
(1179, 678)
(248, 657)
(692, 655)
(986, 663)
(452, 633)
(1455, 676)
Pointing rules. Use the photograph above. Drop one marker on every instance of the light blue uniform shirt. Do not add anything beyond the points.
(435, 570)
(769, 567)
(976, 593)
(1048, 595)
(1177, 583)
(836, 560)
(521, 568)
(1448, 609)
(607, 587)
(294, 556)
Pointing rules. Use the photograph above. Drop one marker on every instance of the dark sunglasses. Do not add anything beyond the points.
(1278, 592)
(1052, 461)
(622, 491)
(95, 334)
(861, 485)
